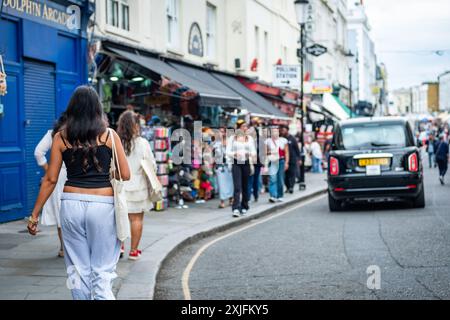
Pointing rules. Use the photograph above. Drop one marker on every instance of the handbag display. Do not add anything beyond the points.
(155, 187)
(120, 200)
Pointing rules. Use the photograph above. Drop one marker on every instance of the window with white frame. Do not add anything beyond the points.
(256, 42)
(266, 52)
(173, 26)
(118, 14)
(211, 22)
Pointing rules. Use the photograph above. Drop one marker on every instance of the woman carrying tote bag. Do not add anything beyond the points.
(137, 149)
(87, 204)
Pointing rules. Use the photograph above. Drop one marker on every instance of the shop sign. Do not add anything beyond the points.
(68, 18)
(286, 76)
(316, 50)
(158, 100)
(195, 40)
(321, 87)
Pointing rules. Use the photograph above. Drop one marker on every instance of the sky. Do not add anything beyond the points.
(405, 33)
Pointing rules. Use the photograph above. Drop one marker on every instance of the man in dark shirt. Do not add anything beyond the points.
(442, 157)
(294, 158)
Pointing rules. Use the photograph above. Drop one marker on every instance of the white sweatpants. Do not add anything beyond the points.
(91, 247)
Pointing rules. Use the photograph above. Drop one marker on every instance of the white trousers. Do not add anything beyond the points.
(91, 247)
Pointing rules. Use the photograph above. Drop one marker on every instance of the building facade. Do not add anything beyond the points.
(43, 45)
(444, 91)
(361, 43)
(246, 37)
(425, 98)
(401, 101)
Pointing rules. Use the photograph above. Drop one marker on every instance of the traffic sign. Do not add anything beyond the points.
(286, 76)
(316, 50)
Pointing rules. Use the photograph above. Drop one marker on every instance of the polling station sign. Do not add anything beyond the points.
(287, 76)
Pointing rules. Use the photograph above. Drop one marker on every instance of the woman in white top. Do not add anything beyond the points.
(241, 153)
(137, 189)
(277, 149)
(50, 211)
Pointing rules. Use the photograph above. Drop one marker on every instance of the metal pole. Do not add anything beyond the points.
(302, 138)
(350, 100)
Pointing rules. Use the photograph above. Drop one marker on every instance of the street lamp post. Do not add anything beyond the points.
(350, 57)
(300, 10)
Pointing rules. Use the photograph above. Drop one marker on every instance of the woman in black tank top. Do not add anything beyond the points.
(87, 204)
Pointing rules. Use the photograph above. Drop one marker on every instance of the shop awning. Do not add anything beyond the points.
(331, 104)
(206, 77)
(209, 96)
(251, 100)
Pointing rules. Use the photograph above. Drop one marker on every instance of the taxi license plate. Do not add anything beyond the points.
(374, 162)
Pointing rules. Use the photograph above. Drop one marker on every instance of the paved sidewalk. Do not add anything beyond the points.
(29, 268)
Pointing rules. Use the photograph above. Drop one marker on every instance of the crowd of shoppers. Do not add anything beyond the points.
(78, 193)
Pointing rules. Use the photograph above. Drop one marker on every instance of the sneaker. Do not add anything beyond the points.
(280, 200)
(243, 212)
(236, 213)
(272, 200)
(135, 255)
(441, 179)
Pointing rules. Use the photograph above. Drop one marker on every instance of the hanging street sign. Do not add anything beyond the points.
(316, 50)
(286, 76)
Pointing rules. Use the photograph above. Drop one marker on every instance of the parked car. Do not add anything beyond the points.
(374, 159)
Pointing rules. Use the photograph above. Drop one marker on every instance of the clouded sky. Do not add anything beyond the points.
(405, 33)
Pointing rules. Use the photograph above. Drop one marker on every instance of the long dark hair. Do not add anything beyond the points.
(126, 129)
(59, 124)
(85, 123)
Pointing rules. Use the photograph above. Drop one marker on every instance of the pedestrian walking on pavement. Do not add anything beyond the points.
(241, 155)
(431, 148)
(50, 212)
(254, 181)
(87, 204)
(442, 158)
(317, 155)
(137, 192)
(277, 151)
(223, 173)
(294, 158)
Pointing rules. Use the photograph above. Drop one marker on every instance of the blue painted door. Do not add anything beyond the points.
(12, 166)
(40, 114)
(12, 160)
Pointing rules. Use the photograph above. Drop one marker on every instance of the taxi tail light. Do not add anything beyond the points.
(334, 166)
(413, 163)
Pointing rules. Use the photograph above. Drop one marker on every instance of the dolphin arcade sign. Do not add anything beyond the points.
(68, 18)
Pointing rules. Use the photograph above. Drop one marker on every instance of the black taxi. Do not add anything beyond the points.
(374, 159)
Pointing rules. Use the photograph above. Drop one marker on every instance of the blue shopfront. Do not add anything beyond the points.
(44, 49)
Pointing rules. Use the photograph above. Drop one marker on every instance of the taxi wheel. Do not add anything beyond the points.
(333, 204)
(419, 202)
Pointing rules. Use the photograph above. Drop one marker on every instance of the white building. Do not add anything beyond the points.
(444, 91)
(361, 43)
(245, 36)
(329, 29)
(401, 101)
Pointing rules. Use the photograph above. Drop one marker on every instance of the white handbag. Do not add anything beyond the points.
(120, 200)
(155, 187)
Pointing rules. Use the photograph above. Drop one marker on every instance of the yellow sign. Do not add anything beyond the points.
(373, 162)
(321, 87)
